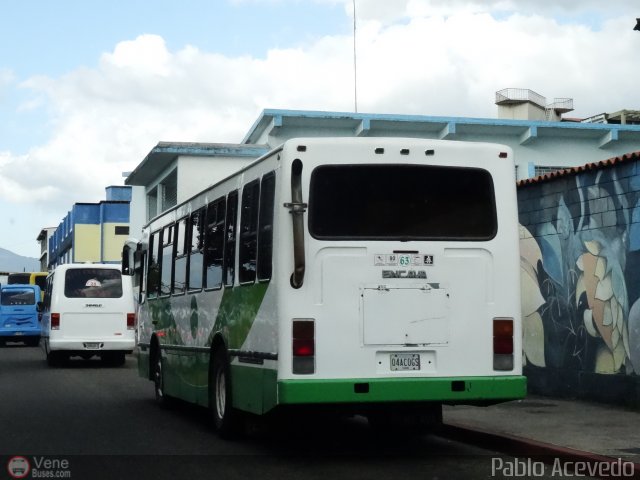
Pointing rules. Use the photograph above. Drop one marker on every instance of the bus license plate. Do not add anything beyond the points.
(405, 361)
(92, 346)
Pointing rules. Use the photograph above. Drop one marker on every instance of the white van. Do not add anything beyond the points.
(88, 310)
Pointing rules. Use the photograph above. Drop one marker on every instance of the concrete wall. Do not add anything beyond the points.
(580, 265)
(197, 173)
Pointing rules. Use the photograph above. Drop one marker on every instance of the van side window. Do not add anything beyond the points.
(181, 257)
(196, 249)
(153, 275)
(230, 239)
(214, 243)
(249, 232)
(166, 270)
(265, 226)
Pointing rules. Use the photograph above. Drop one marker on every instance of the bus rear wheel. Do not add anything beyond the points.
(225, 418)
(158, 380)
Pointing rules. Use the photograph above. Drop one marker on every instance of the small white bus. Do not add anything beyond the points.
(88, 311)
(377, 276)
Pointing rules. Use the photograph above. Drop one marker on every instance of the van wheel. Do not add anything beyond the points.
(114, 359)
(158, 381)
(225, 418)
(54, 359)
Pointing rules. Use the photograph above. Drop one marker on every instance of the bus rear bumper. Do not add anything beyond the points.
(20, 332)
(450, 390)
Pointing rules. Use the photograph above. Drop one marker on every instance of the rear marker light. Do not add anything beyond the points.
(55, 321)
(303, 346)
(503, 344)
(131, 321)
(502, 155)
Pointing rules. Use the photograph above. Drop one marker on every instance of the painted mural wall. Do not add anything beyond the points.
(580, 270)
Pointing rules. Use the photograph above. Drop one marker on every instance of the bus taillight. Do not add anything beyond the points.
(131, 321)
(503, 344)
(303, 346)
(55, 321)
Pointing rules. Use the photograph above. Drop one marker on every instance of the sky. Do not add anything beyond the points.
(87, 89)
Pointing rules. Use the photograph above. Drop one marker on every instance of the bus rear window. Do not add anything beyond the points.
(401, 202)
(93, 283)
(18, 297)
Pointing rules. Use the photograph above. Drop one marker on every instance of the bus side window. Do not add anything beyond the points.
(153, 270)
(180, 259)
(249, 232)
(47, 293)
(196, 249)
(166, 270)
(265, 226)
(214, 243)
(139, 261)
(230, 239)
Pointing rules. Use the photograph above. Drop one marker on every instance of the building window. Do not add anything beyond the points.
(152, 203)
(170, 191)
(541, 170)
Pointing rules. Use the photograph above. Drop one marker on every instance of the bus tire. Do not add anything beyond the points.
(225, 418)
(162, 398)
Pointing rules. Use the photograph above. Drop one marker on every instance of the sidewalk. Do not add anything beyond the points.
(589, 427)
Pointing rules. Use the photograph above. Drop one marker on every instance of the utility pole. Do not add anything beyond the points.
(355, 65)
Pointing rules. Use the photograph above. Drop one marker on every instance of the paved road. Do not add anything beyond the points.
(104, 423)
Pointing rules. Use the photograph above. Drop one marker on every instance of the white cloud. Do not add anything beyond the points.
(450, 63)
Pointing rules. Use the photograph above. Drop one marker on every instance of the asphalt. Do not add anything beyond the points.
(551, 427)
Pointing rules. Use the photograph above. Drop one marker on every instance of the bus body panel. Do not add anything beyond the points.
(368, 310)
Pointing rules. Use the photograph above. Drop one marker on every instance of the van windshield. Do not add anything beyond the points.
(18, 297)
(93, 283)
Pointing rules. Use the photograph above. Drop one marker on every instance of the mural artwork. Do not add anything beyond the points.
(580, 270)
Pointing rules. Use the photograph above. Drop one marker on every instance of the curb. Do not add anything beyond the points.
(526, 447)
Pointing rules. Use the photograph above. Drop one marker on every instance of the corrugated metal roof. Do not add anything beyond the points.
(610, 162)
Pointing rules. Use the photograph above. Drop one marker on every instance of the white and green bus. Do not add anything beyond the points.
(377, 276)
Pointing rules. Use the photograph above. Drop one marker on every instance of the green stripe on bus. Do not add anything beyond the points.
(238, 310)
(452, 389)
(253, 389)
